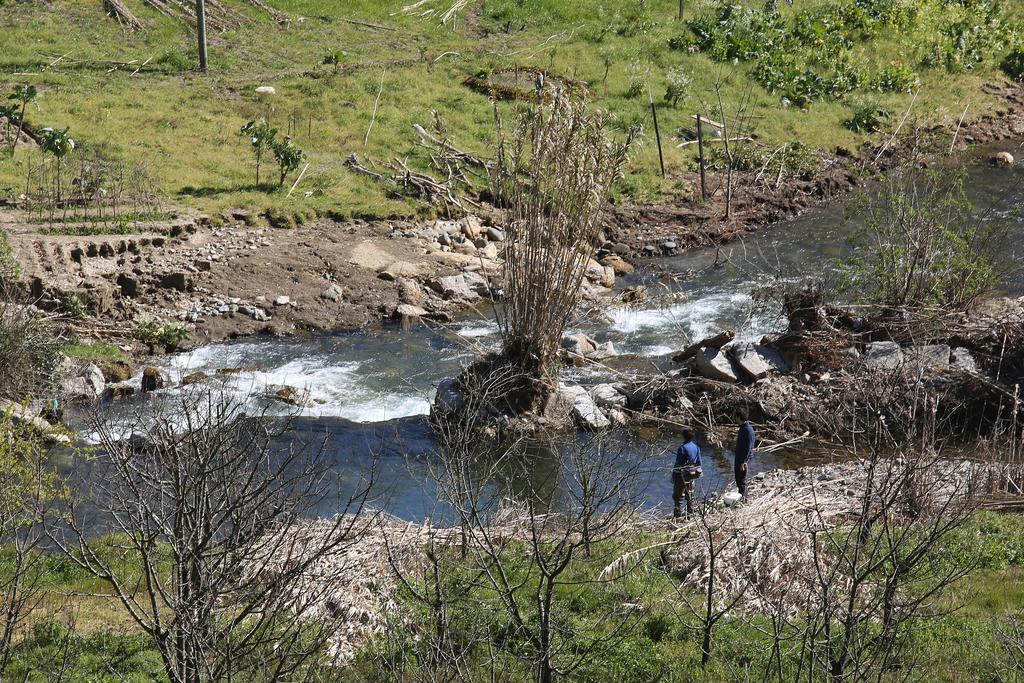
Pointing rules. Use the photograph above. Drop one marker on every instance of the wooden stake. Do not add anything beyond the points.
(681, 10)
(296, 183)
(201, 29)
(700, 154)
(376, 103)
(657, 133)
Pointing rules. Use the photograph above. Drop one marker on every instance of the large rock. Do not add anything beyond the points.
(602, 275)
(449, 397)
(714, 364)
(409, 292)
(579, 344)
(585, 410)
(334, 292)
(19, 414)
(461, 287)
(961, 360)
(883, 355)
(749, 361)
(93, 377)
(602, 352)
(607, 396)
(154, 378)
(757, 362)
(87, 384)
(617, 264)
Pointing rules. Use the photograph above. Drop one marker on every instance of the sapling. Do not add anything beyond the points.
(261, 138)
(23, 95)
(59, 144)
(335, 58)
(288, 157)
(678, 85)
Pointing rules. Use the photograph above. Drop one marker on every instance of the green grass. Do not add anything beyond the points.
(95, 351)
(184, 126)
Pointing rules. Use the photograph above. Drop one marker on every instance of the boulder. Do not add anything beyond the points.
(407, 313)
(194, 378)
(19, 414)
(459, 287)
(607, 396)
(714, 364)
(286, 394)
(154, 379)
(117, 371)
(579, 344)
(94, 379)
(585, 410)
(332, 293)
(495, 235)
(749, 361)
(961, 360)
(558, 407)
(409, 292)
(400, 269)
(602, 275)
(602, 352)
(757, 362)
(119, 390)
(617, 264)
(883, 355)
(449, 397)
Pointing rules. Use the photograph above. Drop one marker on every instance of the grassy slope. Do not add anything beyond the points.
(185, 126)
(961, 643)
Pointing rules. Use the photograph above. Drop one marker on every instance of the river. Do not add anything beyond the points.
(370, 391)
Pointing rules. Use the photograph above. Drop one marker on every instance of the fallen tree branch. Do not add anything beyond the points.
(124, 16)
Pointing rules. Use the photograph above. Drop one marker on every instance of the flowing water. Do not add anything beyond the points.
(372, 390)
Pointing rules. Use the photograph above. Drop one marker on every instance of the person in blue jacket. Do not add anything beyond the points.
(745, 439)
(685, 471)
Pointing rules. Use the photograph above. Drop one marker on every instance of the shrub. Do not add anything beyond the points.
(919, 245)
(895, 77)
(866, 118)
(678, 86)
(159, 333)
(30, 352)
(288, 157)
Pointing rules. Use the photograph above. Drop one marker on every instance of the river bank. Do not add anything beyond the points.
(237, 274)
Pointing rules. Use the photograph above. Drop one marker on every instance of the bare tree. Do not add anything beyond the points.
(552, 177)
(26, 491)
(197, 522)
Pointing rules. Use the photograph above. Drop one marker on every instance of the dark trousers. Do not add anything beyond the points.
(740, 470)
(682, 488)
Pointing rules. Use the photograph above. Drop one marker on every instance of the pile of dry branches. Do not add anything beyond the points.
(767, 551)
(428, 8)
(218, 16)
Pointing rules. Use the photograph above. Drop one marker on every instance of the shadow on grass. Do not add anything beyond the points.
(201, 192)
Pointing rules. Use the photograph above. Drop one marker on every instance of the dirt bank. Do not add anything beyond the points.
(234, 275)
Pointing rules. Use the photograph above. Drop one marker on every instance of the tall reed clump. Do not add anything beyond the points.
(552, 176)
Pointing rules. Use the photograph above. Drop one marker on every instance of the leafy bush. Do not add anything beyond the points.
(678, 85)
(157, 332)
(288, 157)
(30, 352)
(895, 77)
(866, 118)
(919, 245)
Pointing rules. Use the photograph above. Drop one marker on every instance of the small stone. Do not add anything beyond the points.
(669, 246)
(282, 301)
(495, 235)
(204, 265)
(1002, 159)
(194, 378)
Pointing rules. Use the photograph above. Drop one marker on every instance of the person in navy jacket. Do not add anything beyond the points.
(741, 455)
(685, 471)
